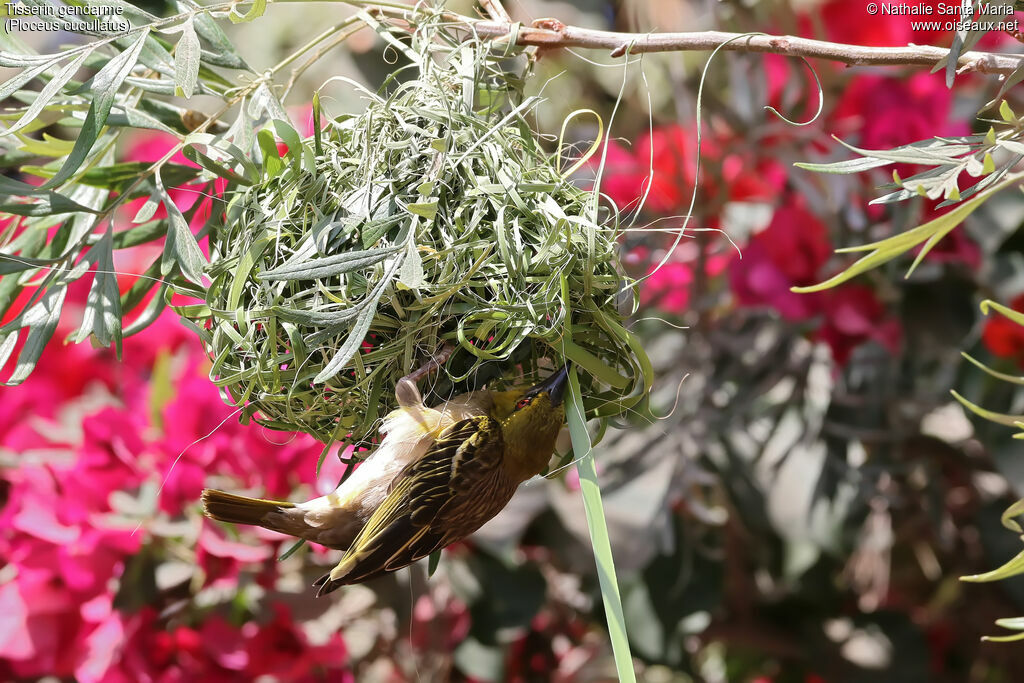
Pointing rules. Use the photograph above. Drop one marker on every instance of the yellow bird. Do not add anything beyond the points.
(438, 475)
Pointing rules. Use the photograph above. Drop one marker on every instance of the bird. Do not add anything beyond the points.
(437, 476)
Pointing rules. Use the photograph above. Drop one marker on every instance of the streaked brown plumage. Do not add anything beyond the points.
(438, 476)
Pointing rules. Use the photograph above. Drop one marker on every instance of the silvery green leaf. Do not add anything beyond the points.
(149, 314)
(359, 329)
(105, 85)
(41, 321)
(14, 84)
(7, 344)
(102, 317)
(181, 247)
(186, 60)
(265, 101)
(255, 11)
(411, 272)
(847, 166)
(352, 343)
(48, 92)
(224, 52)
(330, 265)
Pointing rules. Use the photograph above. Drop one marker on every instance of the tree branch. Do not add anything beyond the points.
(551, 33)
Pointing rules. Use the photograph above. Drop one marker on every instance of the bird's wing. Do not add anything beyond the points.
(418, 516)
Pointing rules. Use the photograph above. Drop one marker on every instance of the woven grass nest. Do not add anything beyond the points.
(433, 217)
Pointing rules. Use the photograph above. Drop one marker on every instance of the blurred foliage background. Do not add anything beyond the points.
(798, 509)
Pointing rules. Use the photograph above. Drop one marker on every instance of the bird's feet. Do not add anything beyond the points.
(406, 391)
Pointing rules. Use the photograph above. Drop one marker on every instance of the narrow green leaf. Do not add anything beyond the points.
(186, 60)
(272, 164)
(7, 344)
(368, 309)
(194, 155)
(999, 418)
(41, 321)
(1012, 623)
(181, 247)
(1013, 379)
(255, 11)
(289, 137)
(1008, 520)
(1015, 316)
(1003, 639)
(224, 51)
(329, 265)
(12, 85)
(147, 210)
(427, 210)
(433, 562)
(105, 85)
(411, 272)
(317, 136)
(591, 492)
(352, 342)
(988, 166)
(291, 550)
(1012, 568)
(47, 93)
(102, 317)
(1006, 112)
(889, 248)
(593, 365)
(244, 267)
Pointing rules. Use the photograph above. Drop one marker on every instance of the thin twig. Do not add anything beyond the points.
(496, 11)
(552, 33)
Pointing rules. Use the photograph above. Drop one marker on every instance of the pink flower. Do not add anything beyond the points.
(668, 288)
(888, 112)
(854, 315)
(439, 630)
(789, 252)
(670, 173)
(281, 650)
(38, 624)
(151, 653)
(222, 559)
(107, 459)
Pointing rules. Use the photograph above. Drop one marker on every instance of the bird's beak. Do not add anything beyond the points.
(554, 385)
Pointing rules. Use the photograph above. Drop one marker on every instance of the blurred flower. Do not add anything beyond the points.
(221, 559)
(887, 112)
(668, 288)
(1003, 337)
(848, 22)
(854, 315)
(439, 629)
(281, 650)
(668, 176)
(789, 252)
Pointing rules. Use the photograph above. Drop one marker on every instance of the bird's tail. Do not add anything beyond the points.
(227, 507)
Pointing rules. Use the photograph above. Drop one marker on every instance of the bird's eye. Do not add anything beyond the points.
(523, 402)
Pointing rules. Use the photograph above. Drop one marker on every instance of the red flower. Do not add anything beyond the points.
(221, 559)
(670, 174)
(789, 252)
(854, 315)
(888, 112)
(280, 650)
(849, 22)
(1003, 337)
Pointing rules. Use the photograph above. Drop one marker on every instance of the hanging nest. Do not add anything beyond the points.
(433, 217)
